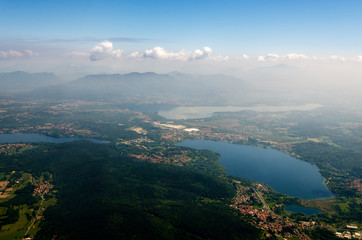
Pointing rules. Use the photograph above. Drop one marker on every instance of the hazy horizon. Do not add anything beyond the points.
(310, 47)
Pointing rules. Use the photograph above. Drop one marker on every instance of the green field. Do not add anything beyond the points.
(18, 229)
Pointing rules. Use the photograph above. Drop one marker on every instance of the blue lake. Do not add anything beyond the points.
(280, 171)
(34, 137)
(305, 210)
(196, 112)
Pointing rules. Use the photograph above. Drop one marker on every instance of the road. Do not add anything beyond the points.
(265, 206)
(36, 215)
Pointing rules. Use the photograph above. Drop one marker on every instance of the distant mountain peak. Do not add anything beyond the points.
(24, 81)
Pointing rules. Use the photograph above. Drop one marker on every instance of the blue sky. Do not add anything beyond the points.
(316, 27)
(321, 28)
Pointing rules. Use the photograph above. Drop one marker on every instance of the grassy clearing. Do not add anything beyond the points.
(18, 229)
(326, 206)
(343, 206)
(50, 202)
(34, 229)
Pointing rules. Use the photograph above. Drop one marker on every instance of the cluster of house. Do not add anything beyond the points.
(178, 159)
(351, 232)
(262, 217)
(10, 148)
(41, 187)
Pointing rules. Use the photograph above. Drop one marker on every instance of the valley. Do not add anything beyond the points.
(146, 171)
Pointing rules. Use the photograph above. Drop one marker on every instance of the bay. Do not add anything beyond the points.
(35, 137)
(196, 112)
(305, 210)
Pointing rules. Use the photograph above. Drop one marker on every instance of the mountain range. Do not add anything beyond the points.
(23, 81)
(145, 87)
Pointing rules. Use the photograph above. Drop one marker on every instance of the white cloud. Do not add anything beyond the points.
(359, 59)
(161, 53)
(10, 53)
(269, 57)
(272, 57)
(31, 53)
(245, 56)
(135, 54)
(275, 57)
(220, 58)
(295, 56)
(337, 58)
(261, 59)
(200, 54)
(104, 50)
(16, 54)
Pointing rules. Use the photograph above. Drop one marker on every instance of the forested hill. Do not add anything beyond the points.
(102, 194)
(23, 81)
(147, 87)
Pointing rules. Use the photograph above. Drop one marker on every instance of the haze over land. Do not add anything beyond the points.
(177, 89)
(270, 47)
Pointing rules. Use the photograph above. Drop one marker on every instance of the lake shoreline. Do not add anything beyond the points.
(316, 188)
(20, 137)
(199, 112)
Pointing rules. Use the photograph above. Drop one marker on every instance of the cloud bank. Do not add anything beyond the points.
(105, 50)
(274, 57)
(299, 56)
(17, 54)
(161, 53)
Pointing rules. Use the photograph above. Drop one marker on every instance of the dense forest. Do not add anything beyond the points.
(326, 156)
(103, 194)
